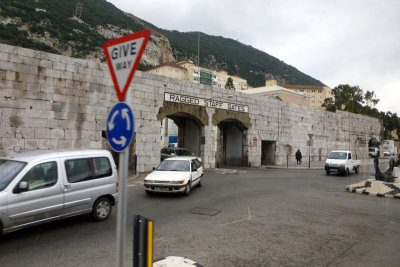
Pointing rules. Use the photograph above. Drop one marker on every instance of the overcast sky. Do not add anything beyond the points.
(354, 42)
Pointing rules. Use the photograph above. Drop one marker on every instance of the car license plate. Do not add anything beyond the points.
(163, 188)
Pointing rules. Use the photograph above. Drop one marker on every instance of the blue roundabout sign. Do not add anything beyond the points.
(120, 127)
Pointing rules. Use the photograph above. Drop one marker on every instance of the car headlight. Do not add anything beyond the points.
(178, 182)
(341, 165)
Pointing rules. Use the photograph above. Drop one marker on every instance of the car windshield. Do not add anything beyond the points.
(8, 170)
(174, 165)
(337, 155)
(183, 152)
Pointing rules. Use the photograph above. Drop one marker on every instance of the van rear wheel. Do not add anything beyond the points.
(101, 209)
(357, 169)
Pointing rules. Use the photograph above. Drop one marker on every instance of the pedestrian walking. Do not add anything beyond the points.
(298, 156)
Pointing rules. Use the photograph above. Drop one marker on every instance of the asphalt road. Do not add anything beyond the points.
(241, 217)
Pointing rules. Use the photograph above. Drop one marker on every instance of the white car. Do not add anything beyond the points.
(388, 153)
(175, 175)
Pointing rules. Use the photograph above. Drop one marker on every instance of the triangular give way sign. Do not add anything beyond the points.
(123, 57)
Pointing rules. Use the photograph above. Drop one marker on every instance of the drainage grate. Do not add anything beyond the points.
(204, 211)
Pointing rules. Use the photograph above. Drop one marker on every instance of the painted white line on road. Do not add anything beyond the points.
(229, 171)
(175, 261)
(249, 217)
(130, 185)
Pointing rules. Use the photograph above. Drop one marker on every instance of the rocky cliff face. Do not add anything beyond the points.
(158, 49)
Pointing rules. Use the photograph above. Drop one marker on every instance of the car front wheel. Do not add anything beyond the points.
(101, 209)
(188, 188)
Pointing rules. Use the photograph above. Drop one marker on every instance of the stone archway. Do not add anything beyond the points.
(231, 137)
(190, 121)
(221, 115)
(197, 112)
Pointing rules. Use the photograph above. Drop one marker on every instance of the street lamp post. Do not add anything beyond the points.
(310, 135)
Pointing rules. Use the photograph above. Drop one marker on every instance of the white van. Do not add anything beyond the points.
(341, 161)
(42, 186)
(373, 152)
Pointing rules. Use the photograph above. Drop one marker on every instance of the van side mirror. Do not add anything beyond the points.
(23, 187)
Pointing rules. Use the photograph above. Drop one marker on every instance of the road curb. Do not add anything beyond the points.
(293, 168)
(133, 176)
(303, 168)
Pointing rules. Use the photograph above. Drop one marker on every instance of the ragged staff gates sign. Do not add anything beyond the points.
(204, 102)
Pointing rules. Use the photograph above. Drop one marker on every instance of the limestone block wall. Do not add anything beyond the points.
(50, 101)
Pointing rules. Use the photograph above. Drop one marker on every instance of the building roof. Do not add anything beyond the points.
(302, 86)
(185, 61)
(271, 90)
(171, 64)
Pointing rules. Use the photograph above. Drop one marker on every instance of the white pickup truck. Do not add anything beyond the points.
(341, 161)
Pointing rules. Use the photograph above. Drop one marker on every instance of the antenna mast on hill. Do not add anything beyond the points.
(198, 49)
(225, 61)
(78, 10)
(198, 54)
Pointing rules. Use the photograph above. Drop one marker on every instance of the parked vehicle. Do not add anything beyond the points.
(42, 186)
(388, 148)
(175, 175)
(169, 152)
(389, 153)
(341, 161)
(373, 152)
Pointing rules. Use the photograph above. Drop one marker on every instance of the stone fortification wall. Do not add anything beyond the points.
(50, 101)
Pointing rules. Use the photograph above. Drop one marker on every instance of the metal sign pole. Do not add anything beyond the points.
(122, 203)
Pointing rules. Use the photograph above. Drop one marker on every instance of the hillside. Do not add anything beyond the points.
(63, 27)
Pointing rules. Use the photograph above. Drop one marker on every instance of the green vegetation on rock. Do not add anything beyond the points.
(52, 20)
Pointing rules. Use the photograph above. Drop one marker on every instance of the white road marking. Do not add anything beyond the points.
(249, 217)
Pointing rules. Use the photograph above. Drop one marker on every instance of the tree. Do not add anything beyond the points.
(370, 102)
(329, 104)
(353, 99)
(348, 98)
(370, 99)
(229, 84)
(391, 122)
